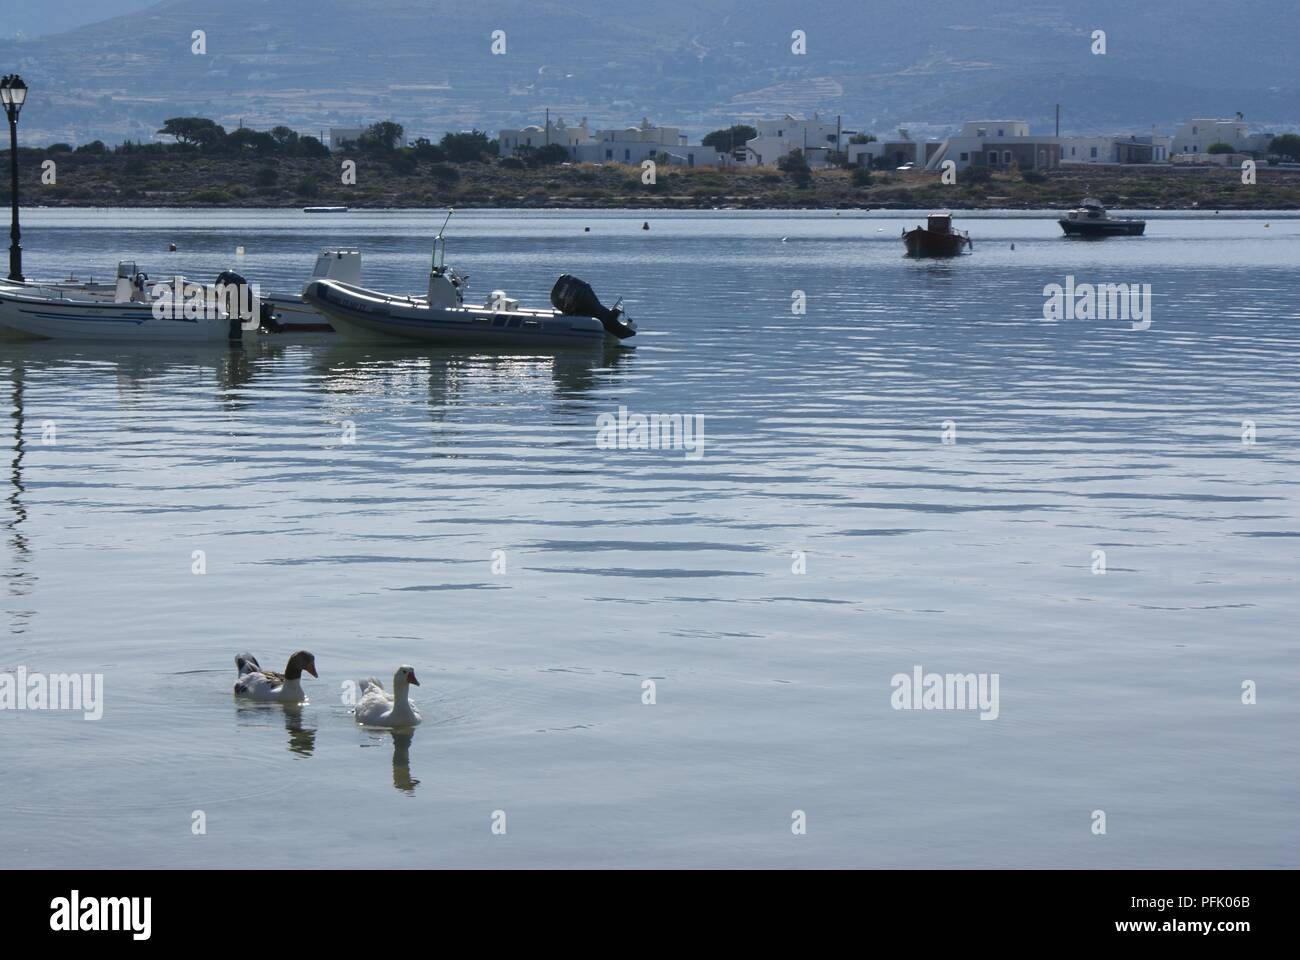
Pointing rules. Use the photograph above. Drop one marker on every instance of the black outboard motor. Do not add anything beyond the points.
(575, 298)
(230, 280)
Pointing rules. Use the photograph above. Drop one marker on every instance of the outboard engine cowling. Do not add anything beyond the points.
(228, 279)
(575, 298)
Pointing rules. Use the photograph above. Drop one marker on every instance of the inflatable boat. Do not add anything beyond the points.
(578, 318)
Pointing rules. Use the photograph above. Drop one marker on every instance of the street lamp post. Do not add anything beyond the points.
(13, 93)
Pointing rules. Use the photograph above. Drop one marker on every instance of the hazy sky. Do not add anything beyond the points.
(50, 16)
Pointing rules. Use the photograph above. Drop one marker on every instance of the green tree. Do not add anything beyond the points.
(312, 147)
(467, 147)
(245, 140)
(286, 138)
(193, 131)
(1219, 147)
(729, 138)
(796, 166)
(862, 138)
(383, 136)
(548, 155)
(427, 150)
(1287, 145)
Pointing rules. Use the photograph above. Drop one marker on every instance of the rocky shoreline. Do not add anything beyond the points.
(190, 180)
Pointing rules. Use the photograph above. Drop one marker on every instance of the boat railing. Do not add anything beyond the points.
(44, 291)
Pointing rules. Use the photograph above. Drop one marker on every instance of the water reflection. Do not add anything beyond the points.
(402, 779)
(451, 374)
(335, 367)
(302, 738)
(19, 578)
(302, 735)
(136, 366)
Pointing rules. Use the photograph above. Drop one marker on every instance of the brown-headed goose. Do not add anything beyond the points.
(258, 684)
(378, 709)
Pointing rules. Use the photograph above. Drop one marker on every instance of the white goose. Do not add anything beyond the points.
(378, 709)
(258, 684)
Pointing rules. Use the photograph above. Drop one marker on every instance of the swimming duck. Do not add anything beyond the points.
(258, 684)
(379, 709)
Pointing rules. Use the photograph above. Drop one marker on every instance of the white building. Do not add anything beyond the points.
(997, 145)
(1130, 148)
(779, 138)
(892, 153)
(1196, 136)
(556, 131)
(632, 145)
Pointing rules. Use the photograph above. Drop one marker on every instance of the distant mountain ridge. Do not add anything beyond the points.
(697, 64)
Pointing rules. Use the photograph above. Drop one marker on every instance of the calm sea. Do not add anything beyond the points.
(917, 470)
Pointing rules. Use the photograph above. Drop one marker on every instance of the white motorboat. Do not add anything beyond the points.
(443, 317)
(132, 310)
(1090, 219)
(291, 313)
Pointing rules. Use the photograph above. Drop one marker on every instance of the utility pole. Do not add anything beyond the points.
(1058, 119)
(548, 126)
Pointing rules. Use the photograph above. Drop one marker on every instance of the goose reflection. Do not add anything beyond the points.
(402, 779)
(302, 738)
(402, 737)
(302, 735)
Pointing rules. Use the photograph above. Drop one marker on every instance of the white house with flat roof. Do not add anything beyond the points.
(997, 145)
(535, 136)
(779, 138)
(1116, 148)
(647, 141)
(1196, 136)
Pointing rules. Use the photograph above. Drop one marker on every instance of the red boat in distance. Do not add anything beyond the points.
(937, 238)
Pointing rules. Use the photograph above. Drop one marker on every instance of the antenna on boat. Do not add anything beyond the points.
(440, 240)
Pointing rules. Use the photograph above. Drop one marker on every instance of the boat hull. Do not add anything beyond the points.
(921, 242)
(367, 315)
(1103, 228)
(292, 315)
(24, 314)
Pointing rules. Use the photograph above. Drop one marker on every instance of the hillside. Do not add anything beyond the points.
(698, 64)
(187, 179)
